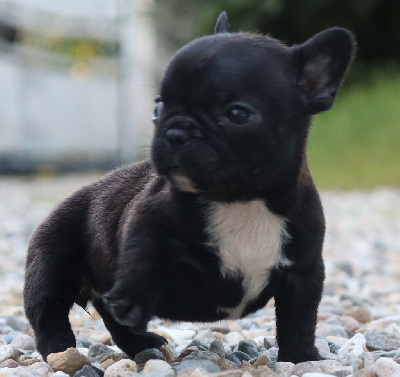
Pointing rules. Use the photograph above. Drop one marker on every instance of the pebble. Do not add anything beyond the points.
(124, 365)
(69, 361)
(96, 336)
(24, 342)
(217, 347)
(191, 365)
(98, 352)
(364, 373)
(331, 366)
(380, 340)
(203, 355)
(60, 374)
(44, 369)
(9, 363)
(285, 369)
(322, 345)
(385, 367)
(169, 352)
(353, 349)
(8, 352)
(233, 338)
(151, 353)
(261, 360)
(360, 313)
(242, 355)
(156, 366)
(247, 346)
(305, 367)
(232, 357)
(226, 364)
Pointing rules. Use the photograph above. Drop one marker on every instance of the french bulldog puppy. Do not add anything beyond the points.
(224, 217)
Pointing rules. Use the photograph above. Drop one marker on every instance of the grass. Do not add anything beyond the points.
(356, 144)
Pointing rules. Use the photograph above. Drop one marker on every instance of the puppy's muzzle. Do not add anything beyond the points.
(180, 130)
(177, 137)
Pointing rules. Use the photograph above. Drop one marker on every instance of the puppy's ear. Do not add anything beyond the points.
(222, 24)
(322, 62)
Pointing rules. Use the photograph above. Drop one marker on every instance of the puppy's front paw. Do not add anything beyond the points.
(126, 312)
(299, 355)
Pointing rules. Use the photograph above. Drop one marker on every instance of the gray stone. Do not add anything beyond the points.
(24, 342)
(333, 347)
(17, 324)
(333, 330)
(203, 355)
(232, 357)
(97, 352)
(201, 342)
(247, 346)
(86, 371)
(342, 373)
(151, 353)
(190, 365)
(84, 342)
(380, 340)
(242, 356)
(217, 347)
(272, 353)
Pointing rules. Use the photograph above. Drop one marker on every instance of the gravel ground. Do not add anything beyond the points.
(359, 316)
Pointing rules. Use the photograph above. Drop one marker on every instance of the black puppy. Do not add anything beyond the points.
(225, 216)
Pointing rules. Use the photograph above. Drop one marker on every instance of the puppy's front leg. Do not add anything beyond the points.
(138, 283)
(297, 296)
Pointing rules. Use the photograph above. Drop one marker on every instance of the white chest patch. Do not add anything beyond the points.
(250, 239)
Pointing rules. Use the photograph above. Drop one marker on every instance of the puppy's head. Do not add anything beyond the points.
(234, 108)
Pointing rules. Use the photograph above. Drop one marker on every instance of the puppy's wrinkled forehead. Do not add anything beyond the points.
(228, 64)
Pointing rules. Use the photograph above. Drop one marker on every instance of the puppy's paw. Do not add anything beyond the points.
(155, 341)
(125, 312)
(299, 355)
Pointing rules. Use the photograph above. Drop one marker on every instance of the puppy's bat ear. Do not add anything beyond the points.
(222, 24)
(321, 63)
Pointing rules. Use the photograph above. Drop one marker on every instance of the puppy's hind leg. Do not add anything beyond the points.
(51, 286)
(129, 342)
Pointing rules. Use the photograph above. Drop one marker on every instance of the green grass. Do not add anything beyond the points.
(356, 144)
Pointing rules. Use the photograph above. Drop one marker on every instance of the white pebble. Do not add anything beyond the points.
(155, 366)
(353, 349)
(386, 367)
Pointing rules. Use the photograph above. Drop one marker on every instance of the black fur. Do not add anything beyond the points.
(232, 121)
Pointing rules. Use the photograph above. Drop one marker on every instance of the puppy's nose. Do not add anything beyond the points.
(177, 137)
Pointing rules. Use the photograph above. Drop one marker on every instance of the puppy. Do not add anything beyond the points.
(223, 218)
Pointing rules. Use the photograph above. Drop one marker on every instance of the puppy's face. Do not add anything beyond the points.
(232, 115)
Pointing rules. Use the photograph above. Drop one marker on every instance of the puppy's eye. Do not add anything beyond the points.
(240, 115)
(158, 109)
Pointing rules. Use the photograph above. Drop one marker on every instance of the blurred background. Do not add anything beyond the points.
(78, 78)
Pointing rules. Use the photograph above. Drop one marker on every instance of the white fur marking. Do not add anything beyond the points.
(250, 239)
(183, 183)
